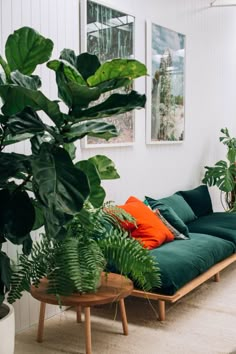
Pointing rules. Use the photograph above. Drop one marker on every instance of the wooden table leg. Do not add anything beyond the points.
(78, 314)
(123, 317)
(87, 330)
(161, 310)
(41, 322)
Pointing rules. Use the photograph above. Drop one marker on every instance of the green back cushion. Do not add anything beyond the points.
(169, 214)
(221, 224)
(199, 200)
(180, 206)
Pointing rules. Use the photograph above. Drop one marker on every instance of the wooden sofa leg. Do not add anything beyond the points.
(78, 314)
(161, 310)
(217, 277)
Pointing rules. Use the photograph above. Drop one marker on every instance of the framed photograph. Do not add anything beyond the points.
(165, 114)
(108, 33)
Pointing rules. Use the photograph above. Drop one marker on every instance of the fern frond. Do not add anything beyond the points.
(129, 258)
(78, 267)
(30, 269)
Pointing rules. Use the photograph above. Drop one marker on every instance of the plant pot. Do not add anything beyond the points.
(7, 329)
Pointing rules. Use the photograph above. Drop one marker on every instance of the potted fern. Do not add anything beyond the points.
(95, 242)
(48, 187)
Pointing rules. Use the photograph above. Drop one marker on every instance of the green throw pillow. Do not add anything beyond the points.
(173, 230)
(180, 206)
(168, 214)
(199, 200)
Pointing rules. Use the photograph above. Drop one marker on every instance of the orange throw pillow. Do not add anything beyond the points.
(150, 230)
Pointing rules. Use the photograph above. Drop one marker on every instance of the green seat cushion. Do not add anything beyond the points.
(169, 214)
(180, 206)
(180, 262)
(199, 200)
(221, 224)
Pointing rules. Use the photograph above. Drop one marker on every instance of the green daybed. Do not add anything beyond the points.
(211, 247)
(182, 261)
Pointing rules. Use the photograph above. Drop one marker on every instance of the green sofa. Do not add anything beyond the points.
(209, 245)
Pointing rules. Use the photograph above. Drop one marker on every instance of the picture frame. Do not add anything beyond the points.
(165, 85)
(100, 23)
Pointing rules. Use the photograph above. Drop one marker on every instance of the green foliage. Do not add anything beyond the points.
(25, 49)
(47, 187)
(94, 241)
(223, 173)
(117, 69)
(128, 257)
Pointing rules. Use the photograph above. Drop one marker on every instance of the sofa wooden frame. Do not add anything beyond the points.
(214, 272)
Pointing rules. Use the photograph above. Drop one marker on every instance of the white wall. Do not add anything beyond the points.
(210, 94)
(210, 100)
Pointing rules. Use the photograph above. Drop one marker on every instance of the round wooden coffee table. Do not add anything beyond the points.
(114, 288)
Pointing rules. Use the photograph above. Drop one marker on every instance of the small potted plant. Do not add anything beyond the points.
(48, 187)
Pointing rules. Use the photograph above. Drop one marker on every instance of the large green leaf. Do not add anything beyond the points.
(3, 119)
(4, 197)
(10, 139)
(11, 164)
(32, 82)
(69, 55)
(117, 69)
(115, 104)
(65, 73)
(36, 141)
(82, 95)
(114, 84)
(17, 98)
(72, 88)
(75, 95)
(55, 223)
(27, 245)
(87, 64)
(25, 122)
(39, 215)
(221, 175)
(105, 167)
(70, 72)
(17, 215)
(26, 48)
(97, 193)
(71, 149)
(101, 130)
(231, 155)
(63, 91)
(61, 186)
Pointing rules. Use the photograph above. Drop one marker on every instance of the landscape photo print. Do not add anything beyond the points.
(166, 64)
(109, 34)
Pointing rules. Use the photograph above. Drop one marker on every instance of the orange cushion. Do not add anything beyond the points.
(150, 230)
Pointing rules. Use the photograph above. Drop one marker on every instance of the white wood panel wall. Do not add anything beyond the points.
(58, 20)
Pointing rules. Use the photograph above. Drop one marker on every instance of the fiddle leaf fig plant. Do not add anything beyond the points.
(223, 174)
(48, 187)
